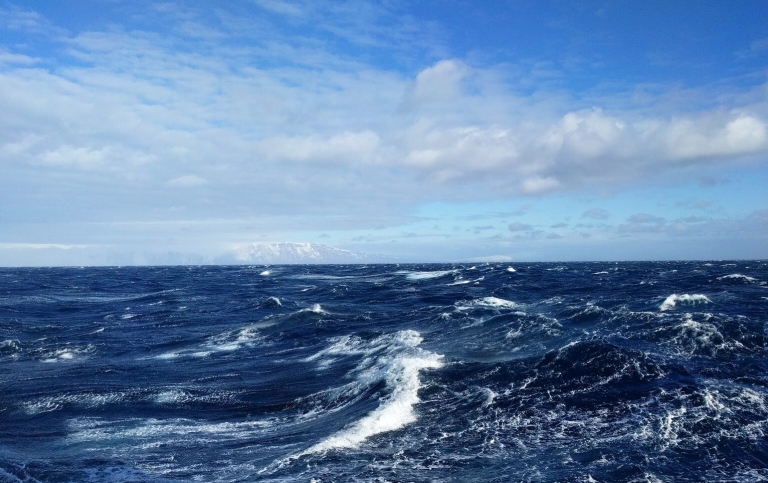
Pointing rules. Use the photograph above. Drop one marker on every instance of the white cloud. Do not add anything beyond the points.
(351, 147)
(18, 59)
(697, 138)
(44, 246)
(440, 82)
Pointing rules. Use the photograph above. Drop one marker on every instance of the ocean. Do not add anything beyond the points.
(632, 372)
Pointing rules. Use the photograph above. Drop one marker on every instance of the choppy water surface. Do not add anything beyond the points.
(532, 372)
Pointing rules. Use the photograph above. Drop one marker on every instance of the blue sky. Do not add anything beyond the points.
(160, 132)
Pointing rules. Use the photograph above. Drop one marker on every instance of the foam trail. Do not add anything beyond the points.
(671, 301)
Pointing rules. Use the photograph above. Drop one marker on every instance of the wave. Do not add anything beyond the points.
(738, 276)
(692, 299)
(394, 359)
(10, 348)
(315, 309)
(489, 302)
(426, 275)
(400, 365)
(225, 342)
(64, 353)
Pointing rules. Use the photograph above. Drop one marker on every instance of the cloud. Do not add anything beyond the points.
(44, 246)
(693, 204)
(596, 214)
(439, 83)
(18, 59)
(281, 7)
(351, 124)
(645, 218)
(349, 147)
(693, 219)
(187, 181)
(517, 226)
(479, 229)
(736, 135)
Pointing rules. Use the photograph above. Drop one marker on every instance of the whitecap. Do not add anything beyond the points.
(65, 354)
(397, 359)
(265, 273)
(489, 302)
(172, 396)
(459, 282)
(511, 270)
(427, 275)
(738, 276)
(395, 412)
(345, 345)
(10, 346)
(230, 341)
(226, 342)
(672, 301)
(274, 301)
(315, 309)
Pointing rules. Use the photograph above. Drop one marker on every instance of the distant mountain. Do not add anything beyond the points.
(293, 253)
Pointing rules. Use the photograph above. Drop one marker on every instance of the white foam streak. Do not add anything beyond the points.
(671, 301)
(394, 413)
(400, 360)
(489, 302)
(738, 276)
(427, 275)
(226, 342)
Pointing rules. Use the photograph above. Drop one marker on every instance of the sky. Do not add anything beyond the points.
(148, 132)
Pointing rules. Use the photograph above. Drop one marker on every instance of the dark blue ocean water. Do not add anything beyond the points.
(639, 372)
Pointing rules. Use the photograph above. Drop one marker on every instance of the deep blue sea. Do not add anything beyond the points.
(642, 372)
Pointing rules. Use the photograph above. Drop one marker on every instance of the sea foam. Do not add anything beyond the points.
(738, 276)
(427, 275)
(672, 301)
(400, 363)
